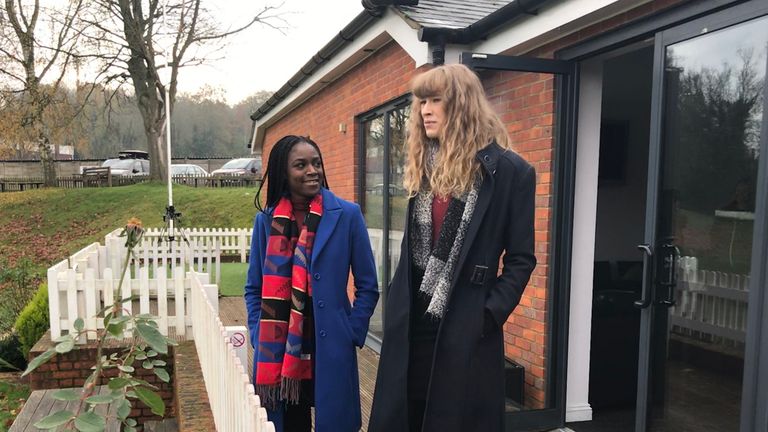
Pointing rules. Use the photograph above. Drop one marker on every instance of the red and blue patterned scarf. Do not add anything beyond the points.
(285, 342)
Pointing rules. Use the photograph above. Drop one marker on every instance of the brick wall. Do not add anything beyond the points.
(72, 369)
(383, 77)
(193, 411)
(525, 103)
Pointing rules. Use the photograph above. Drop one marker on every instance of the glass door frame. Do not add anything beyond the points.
(563, 174)
(385, 110)
(755, 379)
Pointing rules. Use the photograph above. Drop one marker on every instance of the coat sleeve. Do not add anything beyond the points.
(364, 275)
(254, 277)
(519, 259)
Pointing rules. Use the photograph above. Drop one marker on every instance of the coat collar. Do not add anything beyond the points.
(331, 215)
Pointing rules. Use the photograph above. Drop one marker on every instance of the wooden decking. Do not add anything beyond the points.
(41, 404)
(232, 312)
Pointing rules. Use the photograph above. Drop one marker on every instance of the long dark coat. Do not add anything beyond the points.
(466, 390)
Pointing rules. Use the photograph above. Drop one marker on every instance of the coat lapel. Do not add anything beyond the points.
(331, 215)
(488, 158)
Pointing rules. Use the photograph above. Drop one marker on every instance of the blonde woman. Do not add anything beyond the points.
(472, 201)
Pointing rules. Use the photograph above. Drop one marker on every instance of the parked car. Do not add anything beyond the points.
(127, 166)
(189, 174)
(188, 170)
(240, 167)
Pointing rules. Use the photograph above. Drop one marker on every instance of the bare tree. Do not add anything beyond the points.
(146, 43)
(38, 46)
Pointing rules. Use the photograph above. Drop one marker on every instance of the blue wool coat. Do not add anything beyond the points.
(341, 243)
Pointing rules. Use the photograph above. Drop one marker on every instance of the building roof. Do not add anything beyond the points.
(441, 21)
(451, 14)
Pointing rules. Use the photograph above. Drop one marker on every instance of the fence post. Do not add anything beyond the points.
(238, 335)
(54, 311)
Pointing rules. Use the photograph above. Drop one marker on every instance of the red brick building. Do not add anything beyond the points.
(644, 121)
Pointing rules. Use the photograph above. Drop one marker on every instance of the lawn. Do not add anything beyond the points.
(12, 397)
(232, 278)
(47, 225)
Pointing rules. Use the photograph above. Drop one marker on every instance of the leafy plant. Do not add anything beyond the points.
(147, 343)
(16, 281)
(33, 320)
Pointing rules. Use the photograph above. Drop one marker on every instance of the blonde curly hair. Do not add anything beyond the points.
(470, 124)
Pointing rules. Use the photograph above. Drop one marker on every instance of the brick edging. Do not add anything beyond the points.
(193, 409)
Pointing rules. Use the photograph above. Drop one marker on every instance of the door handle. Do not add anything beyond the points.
(669, 255)
(645, 300)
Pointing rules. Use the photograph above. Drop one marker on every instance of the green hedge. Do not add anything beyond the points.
(33, 321)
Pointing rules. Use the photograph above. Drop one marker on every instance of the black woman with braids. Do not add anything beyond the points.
(302, 325)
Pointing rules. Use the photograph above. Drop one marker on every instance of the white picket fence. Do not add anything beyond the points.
(86, 282)
(229, 241)
(170, 284)
(235, 406)
(377, 246)
(711, 306)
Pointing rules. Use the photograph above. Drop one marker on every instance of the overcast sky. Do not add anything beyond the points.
(262, 58)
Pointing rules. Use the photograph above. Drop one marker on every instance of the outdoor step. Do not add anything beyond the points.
(167, 425)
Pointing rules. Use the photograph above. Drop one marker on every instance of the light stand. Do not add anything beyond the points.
(172, 218)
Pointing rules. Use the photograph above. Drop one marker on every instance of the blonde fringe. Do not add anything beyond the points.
(471, 123)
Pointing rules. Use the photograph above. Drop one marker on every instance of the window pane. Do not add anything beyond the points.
(398, 198)
(373, 203)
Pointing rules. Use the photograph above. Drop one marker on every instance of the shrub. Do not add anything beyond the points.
(17, 283)
(10, 351)
(33, 320)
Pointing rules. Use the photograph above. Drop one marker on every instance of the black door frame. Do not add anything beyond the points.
(663, 39)
(755, 381)
(563, 172)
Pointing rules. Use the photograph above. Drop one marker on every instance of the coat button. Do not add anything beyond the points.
(320, 304)
(487, 158)
(317, 276)
(322, 333)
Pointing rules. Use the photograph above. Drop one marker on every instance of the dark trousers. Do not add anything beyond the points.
(416, 409)
(298, 418)
(419, 371)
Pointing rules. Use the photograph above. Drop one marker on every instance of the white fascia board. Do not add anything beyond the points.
(389, 27)
(551, 23)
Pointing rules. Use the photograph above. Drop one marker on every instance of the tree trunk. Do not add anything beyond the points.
(158, 169)
(47, 160)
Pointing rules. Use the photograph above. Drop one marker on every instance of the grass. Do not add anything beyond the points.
(47, 225)
(12, 398)
(232, 278)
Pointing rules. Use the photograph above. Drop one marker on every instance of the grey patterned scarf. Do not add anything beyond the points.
(438, 263)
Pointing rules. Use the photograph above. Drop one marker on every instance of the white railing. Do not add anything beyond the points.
(711, 306)
(233, 402)
(196, 251)
(85, 283)
(377, 246)
(230, 241)
(168, 283)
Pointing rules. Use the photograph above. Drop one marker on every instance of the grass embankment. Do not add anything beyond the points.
(47, 225)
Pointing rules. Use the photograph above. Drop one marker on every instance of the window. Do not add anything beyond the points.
(383, 198)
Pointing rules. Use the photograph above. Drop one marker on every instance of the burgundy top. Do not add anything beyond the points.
(439, 209)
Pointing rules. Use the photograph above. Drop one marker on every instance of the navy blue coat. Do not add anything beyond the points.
(341, 243)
